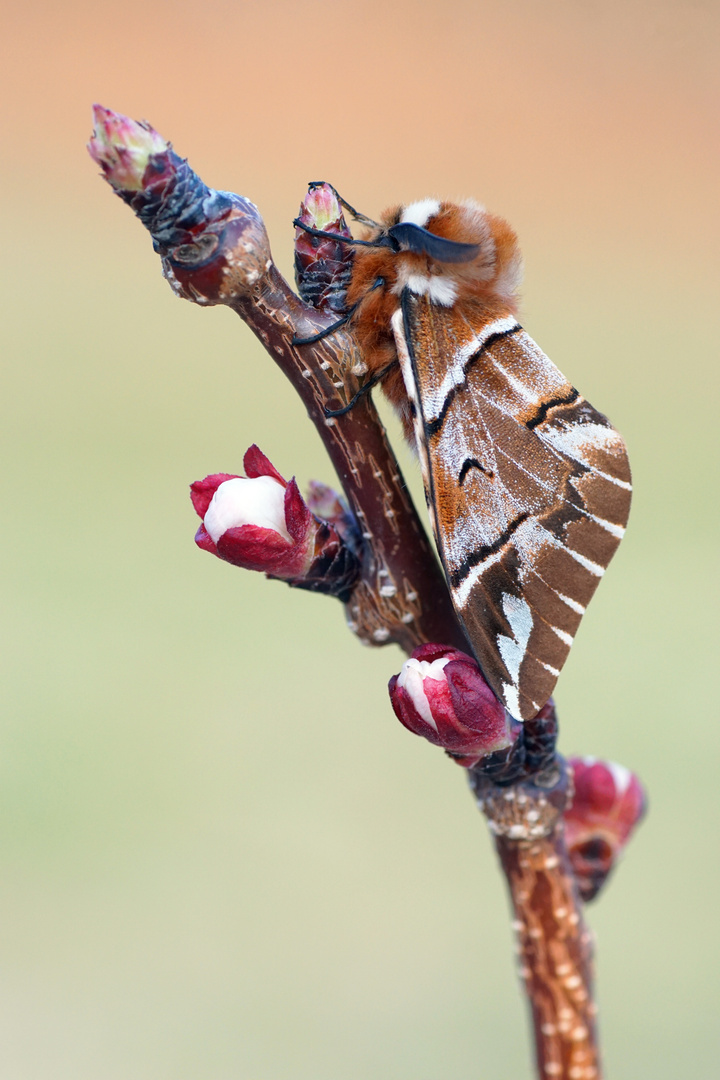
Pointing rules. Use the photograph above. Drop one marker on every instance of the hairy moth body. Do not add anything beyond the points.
(528, 485)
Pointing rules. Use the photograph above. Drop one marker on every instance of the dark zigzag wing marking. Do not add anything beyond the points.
(467, 465)
(463, 367)
(548, 406)
(527, 536)
(541, 461)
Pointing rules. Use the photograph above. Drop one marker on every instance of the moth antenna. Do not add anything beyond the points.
(382, 242)
(411, 237)
(378, 284)
(362, 391)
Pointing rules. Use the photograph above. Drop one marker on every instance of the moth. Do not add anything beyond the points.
(528, 486)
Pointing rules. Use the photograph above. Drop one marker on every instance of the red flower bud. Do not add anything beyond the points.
(257, 521)
(609, 802)
(261, 522)
(441, 694)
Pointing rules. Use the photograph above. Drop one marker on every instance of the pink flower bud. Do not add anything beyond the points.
(260, 522)
(441, 694)
(320, 209)
(325, 501)
(257, 521)
(322, 265)
(609, 802)
(123, 147)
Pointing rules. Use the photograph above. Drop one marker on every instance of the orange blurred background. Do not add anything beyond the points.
(222, 856)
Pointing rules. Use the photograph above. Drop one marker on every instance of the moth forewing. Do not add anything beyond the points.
(529, 488)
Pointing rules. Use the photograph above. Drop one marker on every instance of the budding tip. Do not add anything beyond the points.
(321, 209)
(123, 147)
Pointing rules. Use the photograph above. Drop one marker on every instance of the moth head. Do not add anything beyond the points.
(447, 249)
(453, 253)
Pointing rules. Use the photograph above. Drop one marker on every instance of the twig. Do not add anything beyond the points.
(554, 945)
(215, 250)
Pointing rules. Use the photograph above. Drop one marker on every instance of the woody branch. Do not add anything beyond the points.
(215, 250)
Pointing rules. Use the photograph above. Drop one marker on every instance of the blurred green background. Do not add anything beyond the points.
(222, 857)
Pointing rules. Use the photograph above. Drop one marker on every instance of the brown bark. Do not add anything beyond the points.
(554, 945)
(402, 596)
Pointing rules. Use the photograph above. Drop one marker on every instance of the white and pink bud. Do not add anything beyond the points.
(261, 522)
(321, 209)
(442, 695)
(123, 147)
(609, 802)
(257, 521)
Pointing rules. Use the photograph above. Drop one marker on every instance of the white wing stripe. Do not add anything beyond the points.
(518, 614)
(593, 567)
(616, 530)
(456, 375)
(571, 603)
(518, 386)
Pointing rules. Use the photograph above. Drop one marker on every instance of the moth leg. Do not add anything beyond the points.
(361, 392)
(324, 333)
(341, 321)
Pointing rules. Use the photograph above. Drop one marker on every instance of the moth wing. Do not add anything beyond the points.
(528, 488)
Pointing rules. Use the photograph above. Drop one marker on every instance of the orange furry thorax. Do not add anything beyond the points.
(479, 290)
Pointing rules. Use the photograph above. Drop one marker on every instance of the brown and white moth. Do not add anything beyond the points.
(527, 484)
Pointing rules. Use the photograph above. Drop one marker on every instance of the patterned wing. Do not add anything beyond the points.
(528, 488)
